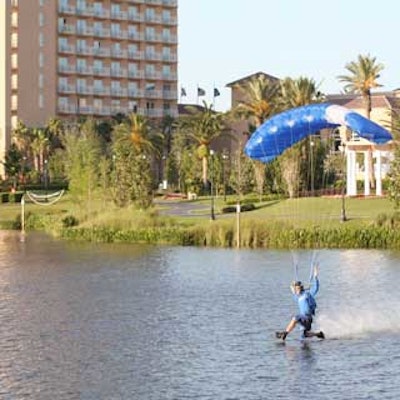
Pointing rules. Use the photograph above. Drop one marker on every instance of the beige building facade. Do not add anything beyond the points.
(74, 58)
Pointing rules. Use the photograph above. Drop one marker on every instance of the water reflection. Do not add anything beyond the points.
(91, 321)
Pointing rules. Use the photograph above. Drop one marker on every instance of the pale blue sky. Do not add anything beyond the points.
(224, 40)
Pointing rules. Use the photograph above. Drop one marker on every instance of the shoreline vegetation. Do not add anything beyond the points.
(277, 224)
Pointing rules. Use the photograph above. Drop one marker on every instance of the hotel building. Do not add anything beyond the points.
(72, 58)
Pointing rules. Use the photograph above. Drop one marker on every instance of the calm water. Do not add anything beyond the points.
(82, 321)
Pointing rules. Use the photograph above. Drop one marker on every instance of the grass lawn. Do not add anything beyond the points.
(299, 212)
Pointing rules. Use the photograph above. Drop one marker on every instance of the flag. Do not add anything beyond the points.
(183, 92)
(216, 92)
(201, 92)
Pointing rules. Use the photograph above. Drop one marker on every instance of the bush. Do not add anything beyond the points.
(69, 221)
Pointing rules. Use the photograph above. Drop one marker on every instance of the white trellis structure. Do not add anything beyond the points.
(39, 199)
(377, 156)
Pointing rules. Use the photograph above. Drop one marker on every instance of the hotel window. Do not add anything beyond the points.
(132, 50)
(115, 10)
(14, 40)
(14, 121)
(14, 20)
(166, 16)
(166, 51)
(166, 34)
(150, 14)
(98, 9)
(133, 12)
(41, 101)
(63, 83)
(81, 26)
(41, 39)
(81, 5)
(81, 65)
(41, 60)
(166, 71)
(14, 61)
(41, 19)
(98, 85)
(98, 28)
(132, 88)
(14, 81)
(41, 3)
(14, 3)
(150, 51)
(97, 66)
(98, 104)
(115, 29)
(81, 84)
(80, 45)
(132, 70)
(115, 67)
(14, 102)
(150, 33)
(133, 106)
(41, 81)
(133, 32)
(150, 70)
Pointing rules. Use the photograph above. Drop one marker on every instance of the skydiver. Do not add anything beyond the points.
(306, 302)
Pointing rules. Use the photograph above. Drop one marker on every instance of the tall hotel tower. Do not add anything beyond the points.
(71, 58)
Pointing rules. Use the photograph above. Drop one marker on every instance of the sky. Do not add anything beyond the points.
(221, 41)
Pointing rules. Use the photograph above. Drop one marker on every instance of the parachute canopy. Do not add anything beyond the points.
(283, 130)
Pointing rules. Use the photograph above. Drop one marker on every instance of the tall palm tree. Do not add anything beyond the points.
(133, 147)
(362, 77)
(136, 132)
(259, 100)
(203, 126)
(299, 92)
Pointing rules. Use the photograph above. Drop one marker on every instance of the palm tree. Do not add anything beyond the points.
(362, 78)
(259, 100)
(133, 146)
(299, 92)
(203, 127)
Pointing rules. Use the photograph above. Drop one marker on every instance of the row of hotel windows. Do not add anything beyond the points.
(115, 48)
(98, 66)
(114, 29)
(115, 11)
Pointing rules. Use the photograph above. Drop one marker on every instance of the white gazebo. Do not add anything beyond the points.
(376, 156)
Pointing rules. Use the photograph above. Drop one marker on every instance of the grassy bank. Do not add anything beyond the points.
(300, 223)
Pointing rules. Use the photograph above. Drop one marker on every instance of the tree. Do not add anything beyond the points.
(133, 149)
(362, 77)
(260, 102)
(82, 159)
(203, 126)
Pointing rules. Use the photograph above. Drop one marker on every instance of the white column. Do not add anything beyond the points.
(366, 173)
(378, 174)
(351, 173)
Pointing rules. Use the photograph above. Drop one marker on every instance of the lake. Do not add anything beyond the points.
(106, 321)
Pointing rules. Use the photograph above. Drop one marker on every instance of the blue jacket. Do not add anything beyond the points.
(302, 299)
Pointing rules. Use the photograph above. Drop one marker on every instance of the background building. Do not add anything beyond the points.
(73, 58)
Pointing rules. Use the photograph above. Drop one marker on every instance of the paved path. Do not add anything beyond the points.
(183, 208)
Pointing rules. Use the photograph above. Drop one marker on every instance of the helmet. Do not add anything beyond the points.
(298, 284)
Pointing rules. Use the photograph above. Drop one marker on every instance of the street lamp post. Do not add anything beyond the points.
(46, 173)
(224, 158)
(212, 216)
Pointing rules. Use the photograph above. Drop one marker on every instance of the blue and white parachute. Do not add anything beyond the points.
(283, 130)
